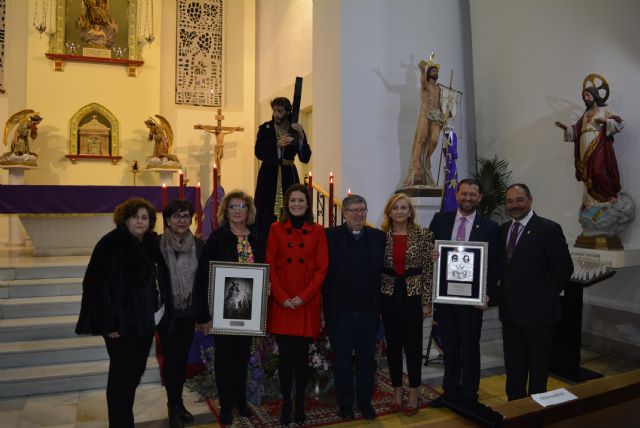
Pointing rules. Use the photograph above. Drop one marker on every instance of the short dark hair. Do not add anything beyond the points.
(523, 186)
(282, 102)
(353, 199)
(298, 187)
(175, 206)
(469, 182)
(130, 207)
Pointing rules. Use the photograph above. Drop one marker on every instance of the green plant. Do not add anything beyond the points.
(493, 176)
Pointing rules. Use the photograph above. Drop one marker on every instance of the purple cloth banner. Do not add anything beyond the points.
(449, 201)
(27, 199)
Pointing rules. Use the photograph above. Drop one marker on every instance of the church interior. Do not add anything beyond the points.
(519, 67)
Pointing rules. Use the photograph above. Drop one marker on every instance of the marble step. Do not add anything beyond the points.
(53, 351)
(54, 378)
(40, 287)
(24, 307)
(37, 328)
(41, 271)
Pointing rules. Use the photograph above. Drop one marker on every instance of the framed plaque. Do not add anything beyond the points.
(238, 298)
(460, 273)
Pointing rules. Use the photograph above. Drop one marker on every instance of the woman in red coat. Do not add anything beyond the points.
(298, 259)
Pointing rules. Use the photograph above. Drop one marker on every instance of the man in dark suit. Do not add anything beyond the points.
(351, 305)
(460, 325)
(536, 266)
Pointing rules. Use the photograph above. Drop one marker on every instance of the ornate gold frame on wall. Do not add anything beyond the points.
(58, 54)
(74, 123)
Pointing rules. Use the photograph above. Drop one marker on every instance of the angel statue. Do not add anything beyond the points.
(161, 134)
(26, 123)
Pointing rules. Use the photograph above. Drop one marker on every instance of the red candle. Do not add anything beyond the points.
(310, 183)
(181, 189)
(349, 192)
(215, 196)
(198, 211)
(164, 195)
(331, 199)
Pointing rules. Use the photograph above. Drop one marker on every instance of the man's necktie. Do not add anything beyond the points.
(462, 230)
(513, 239)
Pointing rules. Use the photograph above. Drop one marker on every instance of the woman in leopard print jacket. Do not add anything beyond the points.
(406, 294)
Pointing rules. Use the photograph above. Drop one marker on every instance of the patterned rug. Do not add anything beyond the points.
(322, 411)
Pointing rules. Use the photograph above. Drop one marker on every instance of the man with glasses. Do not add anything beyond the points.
(351, 305)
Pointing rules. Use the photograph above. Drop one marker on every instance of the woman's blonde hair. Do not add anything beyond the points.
(224, 206)
(387, 222)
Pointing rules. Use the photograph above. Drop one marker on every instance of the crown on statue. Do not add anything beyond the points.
(430, 63)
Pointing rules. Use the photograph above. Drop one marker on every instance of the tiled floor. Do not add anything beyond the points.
(87, 409)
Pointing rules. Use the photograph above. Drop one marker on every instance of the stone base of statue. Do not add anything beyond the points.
(13, 159)
(163, 162)
(601, 224)
(421, 191)
(599, 242)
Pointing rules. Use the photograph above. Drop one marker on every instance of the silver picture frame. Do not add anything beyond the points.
(238, 294)
(460, 273)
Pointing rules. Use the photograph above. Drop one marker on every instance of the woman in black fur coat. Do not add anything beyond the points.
(125, 297)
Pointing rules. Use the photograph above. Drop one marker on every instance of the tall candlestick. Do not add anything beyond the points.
(331, 220)
(164, 195)
(310, 184)
(215, 196)
(181, 189)
(198, 212)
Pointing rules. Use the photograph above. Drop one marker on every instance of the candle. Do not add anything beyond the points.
(349, 192)
(310, 183)
(181, 189)
(215, 196)
(198, 212)
(164, 195)
(331, 199)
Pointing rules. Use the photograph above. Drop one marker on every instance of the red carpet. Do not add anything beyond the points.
(323, 411)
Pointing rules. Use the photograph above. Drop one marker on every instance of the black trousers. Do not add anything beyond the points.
(293, 361)
(127, 362)
(230, 365)
(354, 332)
(527, 354)
(175, 346)
(402, 317)
(460, 327)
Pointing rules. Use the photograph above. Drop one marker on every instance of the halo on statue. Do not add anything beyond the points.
(598, 82)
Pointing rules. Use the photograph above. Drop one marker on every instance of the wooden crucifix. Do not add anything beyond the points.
(219, 131)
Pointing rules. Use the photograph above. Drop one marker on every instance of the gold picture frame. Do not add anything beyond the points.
(125, 14)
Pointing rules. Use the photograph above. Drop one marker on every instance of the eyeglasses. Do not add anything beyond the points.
(178, 216)
(357, 210)
(238, 206)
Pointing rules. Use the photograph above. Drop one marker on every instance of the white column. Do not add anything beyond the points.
(16, 236)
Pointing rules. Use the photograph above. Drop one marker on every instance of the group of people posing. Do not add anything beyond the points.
(350, 276)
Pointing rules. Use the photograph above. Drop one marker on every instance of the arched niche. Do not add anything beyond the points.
(92, 113)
